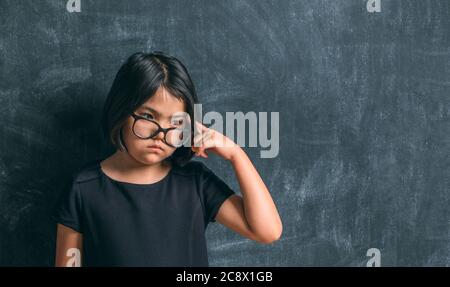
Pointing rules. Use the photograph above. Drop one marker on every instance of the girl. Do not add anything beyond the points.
(148, 204)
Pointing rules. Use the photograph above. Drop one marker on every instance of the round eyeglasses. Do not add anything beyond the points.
(145, 128)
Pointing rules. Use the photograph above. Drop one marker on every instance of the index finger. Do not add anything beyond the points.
(200, 126)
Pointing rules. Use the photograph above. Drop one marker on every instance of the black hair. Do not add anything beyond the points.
(137, 81)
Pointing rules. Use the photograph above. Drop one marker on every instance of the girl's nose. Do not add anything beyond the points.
(159, 136)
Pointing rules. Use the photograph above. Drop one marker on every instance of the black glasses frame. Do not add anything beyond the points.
(160, 129)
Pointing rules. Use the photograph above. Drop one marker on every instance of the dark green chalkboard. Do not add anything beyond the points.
(363, 99)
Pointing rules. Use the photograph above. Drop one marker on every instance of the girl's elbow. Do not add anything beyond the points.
(270, 238)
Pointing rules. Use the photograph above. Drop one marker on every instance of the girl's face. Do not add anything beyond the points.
(160, 108)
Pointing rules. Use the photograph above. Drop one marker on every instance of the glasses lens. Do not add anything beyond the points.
(144, 128)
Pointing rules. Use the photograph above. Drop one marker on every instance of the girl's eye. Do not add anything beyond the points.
(146, 115)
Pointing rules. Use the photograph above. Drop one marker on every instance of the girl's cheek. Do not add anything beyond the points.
(132, 141)
(129, 137)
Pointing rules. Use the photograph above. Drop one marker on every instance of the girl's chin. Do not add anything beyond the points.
(151, 158)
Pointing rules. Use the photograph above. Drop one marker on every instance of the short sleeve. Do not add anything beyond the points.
(215, 191)
(68, 210)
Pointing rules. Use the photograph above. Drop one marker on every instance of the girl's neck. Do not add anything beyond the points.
(124, 167)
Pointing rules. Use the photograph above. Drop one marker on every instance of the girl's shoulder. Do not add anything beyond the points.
(89, 171)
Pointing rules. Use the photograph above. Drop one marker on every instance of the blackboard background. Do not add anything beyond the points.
(364, 117)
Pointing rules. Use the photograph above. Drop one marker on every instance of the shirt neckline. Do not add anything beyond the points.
(132, 184)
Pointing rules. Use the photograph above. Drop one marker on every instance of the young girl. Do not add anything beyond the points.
(148, 204)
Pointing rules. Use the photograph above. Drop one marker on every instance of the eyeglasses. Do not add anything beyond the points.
(145, 128)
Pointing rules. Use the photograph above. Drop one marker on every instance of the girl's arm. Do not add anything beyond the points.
(254, 215)
(68, 247)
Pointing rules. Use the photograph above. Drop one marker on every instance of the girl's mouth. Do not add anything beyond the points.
(155, 148)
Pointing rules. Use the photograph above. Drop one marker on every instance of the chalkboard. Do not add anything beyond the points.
(363, 95)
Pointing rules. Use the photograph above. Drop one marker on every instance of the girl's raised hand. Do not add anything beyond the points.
(211, 140)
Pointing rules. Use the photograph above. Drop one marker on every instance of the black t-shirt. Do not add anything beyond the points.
(128, 224)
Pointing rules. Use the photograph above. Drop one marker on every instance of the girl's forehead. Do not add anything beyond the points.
(164, 103)
(163, 96)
